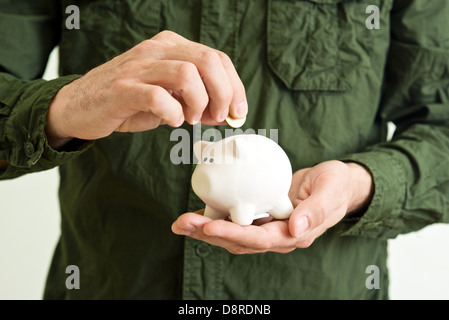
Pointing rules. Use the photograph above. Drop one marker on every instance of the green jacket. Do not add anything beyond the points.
(313, 70)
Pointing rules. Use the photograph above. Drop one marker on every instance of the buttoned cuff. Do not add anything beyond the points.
(380, 220)
(24, 130)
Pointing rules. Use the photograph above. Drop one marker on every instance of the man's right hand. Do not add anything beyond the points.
(165, 80)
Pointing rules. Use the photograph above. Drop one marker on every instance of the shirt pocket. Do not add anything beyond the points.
(321, 45)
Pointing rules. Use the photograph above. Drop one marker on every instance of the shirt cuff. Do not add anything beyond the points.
(25, 130)
(380, 220)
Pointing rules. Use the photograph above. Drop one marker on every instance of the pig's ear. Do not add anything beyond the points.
(198, 148)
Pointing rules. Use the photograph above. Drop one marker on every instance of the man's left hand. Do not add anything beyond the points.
(321, 197)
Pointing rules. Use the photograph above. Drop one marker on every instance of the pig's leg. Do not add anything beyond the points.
(282, 209)
(214, 214)
(242, 214)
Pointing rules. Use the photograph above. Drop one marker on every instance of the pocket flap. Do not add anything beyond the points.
(320, 45)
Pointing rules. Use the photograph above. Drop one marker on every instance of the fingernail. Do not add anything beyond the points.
(187, 230)
(302, 224)
(180, 121)
(241, 109)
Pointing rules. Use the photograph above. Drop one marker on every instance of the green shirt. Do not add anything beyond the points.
(312, 70)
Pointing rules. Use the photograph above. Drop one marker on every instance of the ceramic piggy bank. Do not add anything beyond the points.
(244, 176)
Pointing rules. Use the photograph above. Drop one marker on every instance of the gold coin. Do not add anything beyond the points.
(235, 123)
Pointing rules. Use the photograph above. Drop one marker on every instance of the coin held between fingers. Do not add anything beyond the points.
(235, 123)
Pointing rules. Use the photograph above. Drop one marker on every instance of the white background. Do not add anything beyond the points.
(29, 229)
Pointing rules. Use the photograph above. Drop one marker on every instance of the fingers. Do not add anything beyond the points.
(192, 225)
(189, 223)
(269, 236)
(213, 74)
(158, 101)
(296, 193)
(226, 93)
(239, 106)
(272, 236)
(184, 79)
(216, 82)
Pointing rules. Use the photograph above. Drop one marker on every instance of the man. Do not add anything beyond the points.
(310, 69)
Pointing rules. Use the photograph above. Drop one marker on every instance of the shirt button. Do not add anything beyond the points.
(203, 250)
(29, 149)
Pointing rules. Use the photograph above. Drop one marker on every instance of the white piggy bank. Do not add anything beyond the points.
(244, 176)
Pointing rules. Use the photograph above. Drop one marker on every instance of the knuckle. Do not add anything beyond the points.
(150, 48)
(226, 95)
(144, 46)
(130, 67)
(187, 72)
(144, 49)
(319, 215)
(224, 57)
(118, 84)
(167, 34)
(223, 97)
(146, 43)
(210, 58)
(155, 98)
(168, 37)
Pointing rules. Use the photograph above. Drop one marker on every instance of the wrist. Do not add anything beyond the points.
(55, 135)
(362, 188)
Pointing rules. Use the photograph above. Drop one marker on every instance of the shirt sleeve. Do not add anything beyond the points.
(30, 30)
(411, 171)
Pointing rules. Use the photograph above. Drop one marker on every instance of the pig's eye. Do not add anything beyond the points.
(205, 159)
(211, 160)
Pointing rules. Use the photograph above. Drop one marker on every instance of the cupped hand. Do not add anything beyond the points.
(321, 196)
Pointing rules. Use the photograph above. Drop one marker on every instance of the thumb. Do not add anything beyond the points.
(299, 221)
(307, 215)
